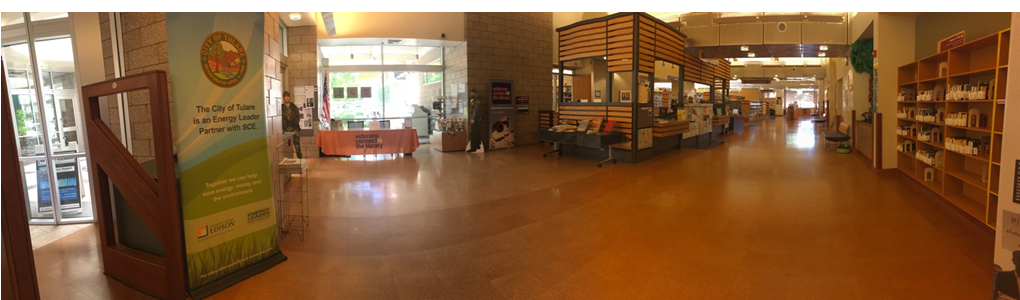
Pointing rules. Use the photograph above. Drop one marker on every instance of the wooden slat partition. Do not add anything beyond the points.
(547, 119)
(573, 113)
(628, 41)
(692, 68)
(670, 128)
(615, 36)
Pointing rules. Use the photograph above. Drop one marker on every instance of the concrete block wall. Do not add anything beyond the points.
(517, 47)
(144, 49)
(273, 73)
(303, 65)
(455, 73)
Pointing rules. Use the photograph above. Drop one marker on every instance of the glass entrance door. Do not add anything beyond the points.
(50, 134)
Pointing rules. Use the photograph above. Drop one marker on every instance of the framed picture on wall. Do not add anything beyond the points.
(625, 96)
(352, 92)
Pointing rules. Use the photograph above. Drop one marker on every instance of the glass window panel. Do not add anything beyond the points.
(56, 56)
(42, 16)
(47, 82)
(412, 55)
(404, 89)
(19, 67)
(353, 103)
(63, 80)
(27, 118)
(352, 55)
(11, 18)
(37, 191)
(63, 112)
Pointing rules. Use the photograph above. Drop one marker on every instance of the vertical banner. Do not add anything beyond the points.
(216, 66)
(501, 114)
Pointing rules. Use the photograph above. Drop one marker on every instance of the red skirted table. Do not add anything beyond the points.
(367, 141)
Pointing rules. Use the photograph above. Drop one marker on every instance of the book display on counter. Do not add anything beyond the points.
(949, 134)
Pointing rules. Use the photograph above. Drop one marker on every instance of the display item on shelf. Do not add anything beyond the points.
(929, 134)
(936, 94)
(907, 146)
(963, 92)
(929, 115)
(969, 146)
(907, 94)
(907, 131)
(930, 157)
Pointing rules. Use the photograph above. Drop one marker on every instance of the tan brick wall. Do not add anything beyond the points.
(303, 70)
(512, 46)
(274, 78)
(145, 49)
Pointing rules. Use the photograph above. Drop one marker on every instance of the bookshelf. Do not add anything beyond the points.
(965, 88)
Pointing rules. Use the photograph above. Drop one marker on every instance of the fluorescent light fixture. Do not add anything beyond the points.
(750, 54)
(295, 16)
(823, 48)
(821, 54)
(744, 48)
(565, 71)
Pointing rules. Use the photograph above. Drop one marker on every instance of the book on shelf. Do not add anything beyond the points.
(609, 126)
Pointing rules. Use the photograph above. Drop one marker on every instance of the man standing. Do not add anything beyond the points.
(475, 113)
(292, 121)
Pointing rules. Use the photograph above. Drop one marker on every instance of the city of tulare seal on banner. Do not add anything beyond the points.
(224, 61)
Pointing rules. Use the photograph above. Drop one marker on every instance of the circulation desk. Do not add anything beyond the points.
(367, 141)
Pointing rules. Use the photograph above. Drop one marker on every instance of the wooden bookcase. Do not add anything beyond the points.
(968, 181)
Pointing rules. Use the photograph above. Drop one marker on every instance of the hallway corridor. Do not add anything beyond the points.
(768, 215)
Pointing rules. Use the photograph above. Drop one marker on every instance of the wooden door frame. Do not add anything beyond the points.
(155, 201)
(17, 238)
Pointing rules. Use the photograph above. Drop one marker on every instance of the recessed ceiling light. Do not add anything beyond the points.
(744, 48)
(295, 16)
(823, 48)
(750, 54)
(821, 54)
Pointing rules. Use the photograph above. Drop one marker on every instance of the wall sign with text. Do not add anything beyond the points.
(500, 92)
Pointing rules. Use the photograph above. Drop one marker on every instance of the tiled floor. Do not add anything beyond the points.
(768, 215)
(43, 235)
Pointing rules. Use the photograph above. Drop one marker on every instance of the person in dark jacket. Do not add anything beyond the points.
(1006, 286)
(475, 124)
(292, 120)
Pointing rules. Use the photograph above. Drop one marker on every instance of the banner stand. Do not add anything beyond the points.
(214, 287)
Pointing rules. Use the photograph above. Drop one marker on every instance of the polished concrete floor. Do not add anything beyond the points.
(768, 215)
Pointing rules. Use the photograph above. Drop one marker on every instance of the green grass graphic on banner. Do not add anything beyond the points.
(210, 264)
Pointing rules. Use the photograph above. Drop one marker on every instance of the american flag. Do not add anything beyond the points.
(324, 117)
